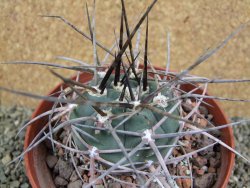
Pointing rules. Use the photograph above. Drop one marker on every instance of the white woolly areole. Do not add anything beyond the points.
(101, 74)
(148, 136)
(132, 74)
(161, 100)
(103, 120)
(119, 87)
(71, 106)
(98, 94)
(145, 92)
(149, 163)
(136, 103)
(92, 152)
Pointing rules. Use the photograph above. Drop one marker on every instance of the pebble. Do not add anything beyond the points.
(6, 159)
(65, 169)
(203, 123)
(199, 161)
(214, 162)
(211, 170)
(203, 110)
(179, 182)
(3, 178)
(51, 160)
(59, 181)
(114, 185)
(73, 176)
(200, 171)
(75, 184)
(14, 184)
(24, 185)
(99, 186)
(205, 181)
(186, 183)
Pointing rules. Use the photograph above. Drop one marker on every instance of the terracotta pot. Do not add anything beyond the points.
(40, 177)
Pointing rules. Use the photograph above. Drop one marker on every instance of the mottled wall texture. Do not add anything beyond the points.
(195, 26)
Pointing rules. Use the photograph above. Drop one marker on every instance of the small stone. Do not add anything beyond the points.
(25, 185)
(175, 152)
(210, 117)
(200, 172)
(114, 185)
(187, 107)
(4, 186)
(186, 183)
(213, 162)
(155, 185)
(211, 170)
(203, 110)
(205, 141)
(205, 181)
(200, 161)
(6, 159)
(129, 179)
(179, 182)
(203, 123)
(204, 168)
(60, 152)
(14, 184)
(85, 178)
(75, 184)
(187, 137)
(59, 181)
(187, 144)
(65, 170)
(99, 186)
(3, 178)
(56, 167)
(51, 160)
(73, 176)
(182, 170)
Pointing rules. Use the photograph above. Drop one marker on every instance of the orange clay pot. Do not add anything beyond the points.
(40, 176)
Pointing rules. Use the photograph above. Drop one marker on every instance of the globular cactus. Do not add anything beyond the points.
(139, 122)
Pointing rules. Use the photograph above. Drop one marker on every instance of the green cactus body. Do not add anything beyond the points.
(140, 122)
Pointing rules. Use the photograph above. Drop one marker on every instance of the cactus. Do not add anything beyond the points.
(144, 120)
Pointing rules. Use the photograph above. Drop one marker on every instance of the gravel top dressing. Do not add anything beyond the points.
(12, 118)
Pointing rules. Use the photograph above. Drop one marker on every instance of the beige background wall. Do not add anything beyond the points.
(195, 25)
